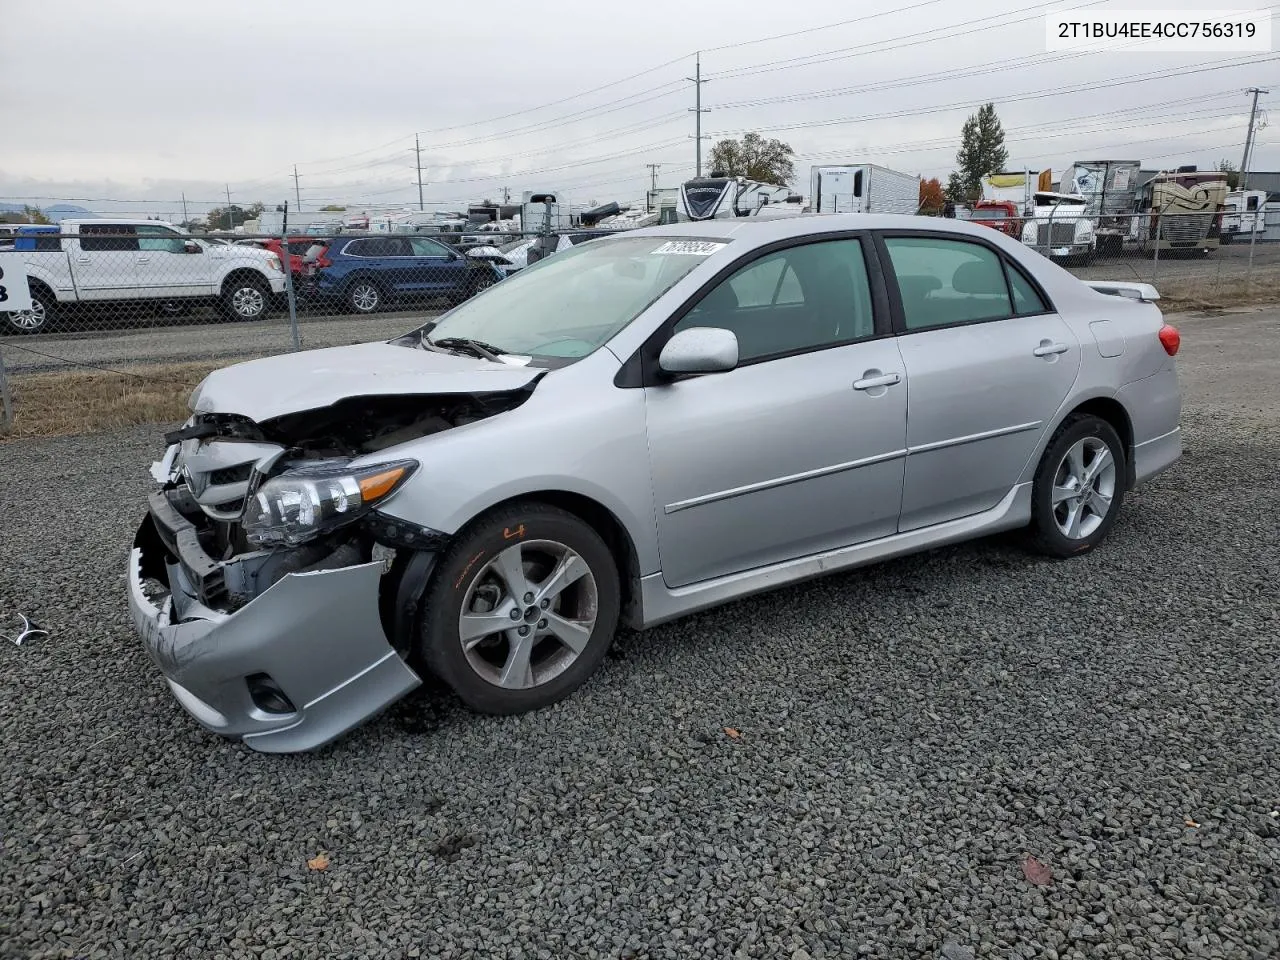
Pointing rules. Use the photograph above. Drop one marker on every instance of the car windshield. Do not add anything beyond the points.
(990, 213)
(569, 305)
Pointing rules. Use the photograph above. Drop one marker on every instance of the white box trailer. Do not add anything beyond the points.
(862, 188)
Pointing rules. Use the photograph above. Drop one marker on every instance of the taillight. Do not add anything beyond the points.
(1170, 339)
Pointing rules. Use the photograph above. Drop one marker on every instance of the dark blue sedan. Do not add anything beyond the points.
(368, 273)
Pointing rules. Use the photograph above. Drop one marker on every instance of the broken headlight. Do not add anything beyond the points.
(313, 499)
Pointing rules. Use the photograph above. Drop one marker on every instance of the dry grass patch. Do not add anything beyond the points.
(83, 401)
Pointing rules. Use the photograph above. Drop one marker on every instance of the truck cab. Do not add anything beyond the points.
(1060, 227)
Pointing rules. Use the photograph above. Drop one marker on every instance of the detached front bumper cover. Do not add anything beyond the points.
(317, 637)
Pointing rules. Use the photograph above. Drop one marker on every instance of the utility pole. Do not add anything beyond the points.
(697, 111)
(231, 220)
(1248, 139)
(185, 219)
(417, 151)
(653, 185)
(297, 190)
(506, 196)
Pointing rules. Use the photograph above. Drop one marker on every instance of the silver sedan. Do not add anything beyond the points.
(640, 427)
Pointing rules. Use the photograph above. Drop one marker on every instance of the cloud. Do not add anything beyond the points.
(147, 100)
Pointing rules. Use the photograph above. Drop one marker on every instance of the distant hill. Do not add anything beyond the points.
(53, 211)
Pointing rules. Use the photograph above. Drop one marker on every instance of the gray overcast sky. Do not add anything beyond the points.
(146, 99)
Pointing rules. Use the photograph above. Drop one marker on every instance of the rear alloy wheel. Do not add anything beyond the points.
(522, 609)
(39, 319)
(245, 299)
(364, 296)
(1079, 488)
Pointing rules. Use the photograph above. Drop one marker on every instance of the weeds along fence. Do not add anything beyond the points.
(123, 307)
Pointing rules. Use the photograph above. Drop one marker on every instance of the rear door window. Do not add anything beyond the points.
(944, 282)
(108, 237)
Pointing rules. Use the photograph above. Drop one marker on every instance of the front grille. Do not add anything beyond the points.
(1185, 228)
(226, 475)
(1063, 234)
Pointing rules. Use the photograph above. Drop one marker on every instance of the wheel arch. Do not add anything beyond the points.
(239, 274)
(1103, 406)
(606, 523)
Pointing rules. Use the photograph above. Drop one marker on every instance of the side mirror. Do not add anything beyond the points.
(190, 246)
(700, 350)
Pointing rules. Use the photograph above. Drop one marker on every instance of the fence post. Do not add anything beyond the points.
(1248, 276)
(1155, 260)
(6, 401)
(286, 261)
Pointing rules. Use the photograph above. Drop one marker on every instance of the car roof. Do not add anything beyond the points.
(753, 232)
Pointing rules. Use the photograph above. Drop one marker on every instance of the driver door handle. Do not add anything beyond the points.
(883, 380)
(1047, 349)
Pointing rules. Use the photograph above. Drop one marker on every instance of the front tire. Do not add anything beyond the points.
(521, 610)
(1078, 489)
(246, 298)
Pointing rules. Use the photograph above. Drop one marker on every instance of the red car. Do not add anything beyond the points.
(298, 247)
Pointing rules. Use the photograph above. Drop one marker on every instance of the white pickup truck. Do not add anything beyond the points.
(93, 262)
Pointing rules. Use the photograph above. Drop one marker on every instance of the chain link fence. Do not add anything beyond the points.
(146, 302)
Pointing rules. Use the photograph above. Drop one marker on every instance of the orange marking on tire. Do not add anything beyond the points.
(467, 569)
(509, 534)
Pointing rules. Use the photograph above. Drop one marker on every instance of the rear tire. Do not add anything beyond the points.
(42, 316)
(364, 297)
(1078, 489)
(507, 566)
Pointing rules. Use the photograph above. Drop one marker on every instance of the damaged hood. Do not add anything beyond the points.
(294, 382)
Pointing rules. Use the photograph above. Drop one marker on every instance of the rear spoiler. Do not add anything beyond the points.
(1125, 288)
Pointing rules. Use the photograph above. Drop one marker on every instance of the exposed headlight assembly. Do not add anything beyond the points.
(316, 498)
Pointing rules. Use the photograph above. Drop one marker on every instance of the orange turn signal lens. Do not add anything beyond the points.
(378, 485)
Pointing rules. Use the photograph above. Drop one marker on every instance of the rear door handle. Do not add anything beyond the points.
(82, 259)
(883, 380)
(1047, 349)
(144, 259)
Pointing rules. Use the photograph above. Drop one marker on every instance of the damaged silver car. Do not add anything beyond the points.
(641, 427)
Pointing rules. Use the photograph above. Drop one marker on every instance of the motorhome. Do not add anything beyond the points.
(1109, 188)
(1180, 210)
(862, 188)
(1245, 214)
(721, 197)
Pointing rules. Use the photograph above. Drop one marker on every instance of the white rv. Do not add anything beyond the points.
(717, 198)
(862, 188)
(1245, 213)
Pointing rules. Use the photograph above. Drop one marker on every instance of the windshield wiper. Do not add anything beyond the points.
(486, 351)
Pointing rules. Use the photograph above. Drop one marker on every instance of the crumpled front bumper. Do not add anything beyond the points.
(317, 636)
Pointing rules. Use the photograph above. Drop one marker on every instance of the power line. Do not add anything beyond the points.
(980, 25)
(1017, 98)
(824, 26)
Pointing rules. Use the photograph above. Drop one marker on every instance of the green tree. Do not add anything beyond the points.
(982, 152)
(228, 218)
(754, 157)
(1233, 175)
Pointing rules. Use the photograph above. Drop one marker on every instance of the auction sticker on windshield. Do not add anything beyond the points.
(693, 248)
(14, 294)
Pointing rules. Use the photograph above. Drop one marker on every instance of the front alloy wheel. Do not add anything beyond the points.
(522, 609)
(528, 614)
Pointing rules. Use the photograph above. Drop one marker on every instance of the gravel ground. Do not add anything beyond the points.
(907, 736)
